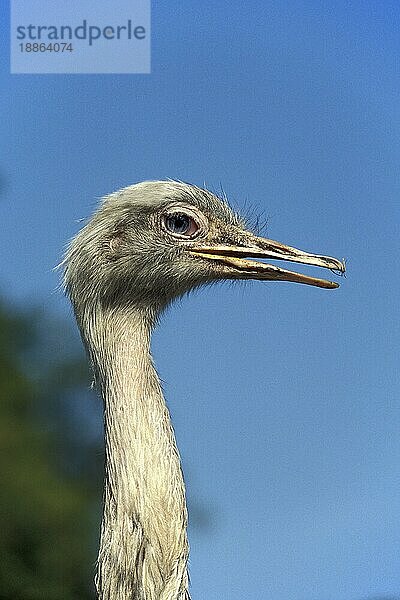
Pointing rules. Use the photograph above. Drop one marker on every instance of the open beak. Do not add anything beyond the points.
(235, 258)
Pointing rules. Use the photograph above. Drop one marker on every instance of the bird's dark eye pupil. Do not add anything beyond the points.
(178, 223)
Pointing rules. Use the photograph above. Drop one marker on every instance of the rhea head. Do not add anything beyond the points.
(149, 243)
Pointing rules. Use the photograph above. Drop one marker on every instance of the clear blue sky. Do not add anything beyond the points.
(284, 398)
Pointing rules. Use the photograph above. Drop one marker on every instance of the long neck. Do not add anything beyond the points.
(143, 547)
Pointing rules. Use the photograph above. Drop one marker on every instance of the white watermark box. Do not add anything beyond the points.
(80, 36)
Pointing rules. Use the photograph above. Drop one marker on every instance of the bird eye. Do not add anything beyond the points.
(181, 224)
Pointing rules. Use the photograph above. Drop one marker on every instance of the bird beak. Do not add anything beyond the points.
(235, 258)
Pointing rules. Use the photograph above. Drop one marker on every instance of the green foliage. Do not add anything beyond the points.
(48, 533)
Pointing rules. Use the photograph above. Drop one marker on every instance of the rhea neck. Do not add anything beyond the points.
(143, 545)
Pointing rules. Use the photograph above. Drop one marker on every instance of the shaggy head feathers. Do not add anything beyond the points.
(123, 255)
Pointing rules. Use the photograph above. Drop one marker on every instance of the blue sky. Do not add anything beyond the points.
(284, 398)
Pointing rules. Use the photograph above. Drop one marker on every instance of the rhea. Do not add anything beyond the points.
(145, 246)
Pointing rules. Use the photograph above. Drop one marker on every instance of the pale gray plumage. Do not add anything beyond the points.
(123, 268)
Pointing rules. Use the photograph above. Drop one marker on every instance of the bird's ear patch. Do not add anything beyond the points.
(116, 241)
(117, 238)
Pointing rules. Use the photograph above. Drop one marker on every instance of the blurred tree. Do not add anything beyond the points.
(48, 535)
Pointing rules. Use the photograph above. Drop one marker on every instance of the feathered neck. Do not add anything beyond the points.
(143, 546)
